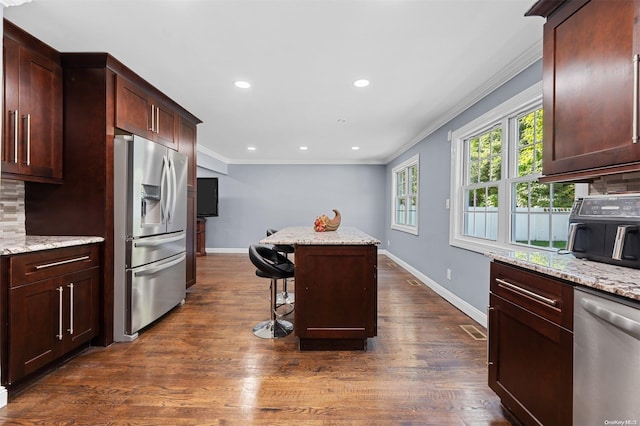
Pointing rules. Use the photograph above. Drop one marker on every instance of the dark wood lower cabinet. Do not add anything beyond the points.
(53, 314)
(336, 296)
(531, 356)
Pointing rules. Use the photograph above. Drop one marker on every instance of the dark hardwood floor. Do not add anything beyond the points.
(201, 364)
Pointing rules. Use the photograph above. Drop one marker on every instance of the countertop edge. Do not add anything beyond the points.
(32, 243)
(617, 280)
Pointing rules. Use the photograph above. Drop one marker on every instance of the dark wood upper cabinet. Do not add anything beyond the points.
(32, 126)
(590, 87)
(137, 111)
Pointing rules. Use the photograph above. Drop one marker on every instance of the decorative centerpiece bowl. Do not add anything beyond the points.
(323, 223)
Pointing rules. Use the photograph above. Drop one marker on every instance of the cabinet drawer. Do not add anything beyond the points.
(542, 295)
(35, 266)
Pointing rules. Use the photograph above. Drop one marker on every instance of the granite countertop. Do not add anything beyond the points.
(29, 243)
(305, 235)
(613, 279)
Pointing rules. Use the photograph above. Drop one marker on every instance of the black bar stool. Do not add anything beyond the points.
(273, 265)
(284, 297)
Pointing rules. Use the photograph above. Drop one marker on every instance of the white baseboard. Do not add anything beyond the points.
(468, 309)
(4, 396)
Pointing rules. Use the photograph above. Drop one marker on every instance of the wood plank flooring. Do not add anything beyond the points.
(201, 364)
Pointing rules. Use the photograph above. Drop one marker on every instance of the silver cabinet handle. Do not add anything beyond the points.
(153, 118)
(636, 78)
(573, 230)
(621, 236)
(627, 324)
(526, 292)
(28, 139)
(16, 126)
(158, 120)
(60, 290)
(62, 262)
(70, 285)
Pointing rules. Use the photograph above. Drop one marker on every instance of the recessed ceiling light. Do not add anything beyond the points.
(251, 148)
(355, 148)
(363, 82)
(303, 148)
(241, 84)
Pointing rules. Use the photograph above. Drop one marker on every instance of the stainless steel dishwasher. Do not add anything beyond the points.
(606, 359)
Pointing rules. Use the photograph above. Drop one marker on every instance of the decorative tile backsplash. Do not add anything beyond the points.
(12, 213)
(612, 184)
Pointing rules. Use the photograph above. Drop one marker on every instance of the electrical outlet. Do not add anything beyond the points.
(448, 273)
(388, 243)
(446, 204)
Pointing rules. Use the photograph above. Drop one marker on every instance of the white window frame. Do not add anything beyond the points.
(411, 229)
(500, 115)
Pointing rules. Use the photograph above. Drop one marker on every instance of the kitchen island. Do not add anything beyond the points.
(336, 286)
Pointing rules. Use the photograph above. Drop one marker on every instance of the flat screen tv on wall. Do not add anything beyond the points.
(207, 197)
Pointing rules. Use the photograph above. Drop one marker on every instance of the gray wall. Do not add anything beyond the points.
(430, 252)
(256, 197)
(253, 198)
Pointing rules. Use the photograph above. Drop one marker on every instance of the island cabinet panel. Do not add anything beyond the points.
(53, 307)
(32, 125)
(531, 345)
(590, 88)
(336, 296)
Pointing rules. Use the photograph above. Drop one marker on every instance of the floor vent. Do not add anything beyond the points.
(413, 282)
(473, 331)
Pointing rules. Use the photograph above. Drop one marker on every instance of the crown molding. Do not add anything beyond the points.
(7, 3)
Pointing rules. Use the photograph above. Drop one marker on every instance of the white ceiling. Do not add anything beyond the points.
(427, 61)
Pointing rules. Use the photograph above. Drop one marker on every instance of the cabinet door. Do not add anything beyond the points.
(11, 122)
(32, 134)
(530, 364)
(588, 86)
(82, 300)
(165, 125)
(35, 325)
(133, 112)
(336, 292)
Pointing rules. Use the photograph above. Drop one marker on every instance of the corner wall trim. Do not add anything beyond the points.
(466, 308)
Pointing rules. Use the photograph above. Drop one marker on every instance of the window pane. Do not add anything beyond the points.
(496, 141)
(539, 229)
(401, 183)
(473, 173)
(413, 204)
(492, 197)
(520, 228)
(564, 195)
(413, 183)
(525, 161)
(540, 195)
(496, 168)
(401, 211)
(521, 196)
(526, 130)
(492, 224)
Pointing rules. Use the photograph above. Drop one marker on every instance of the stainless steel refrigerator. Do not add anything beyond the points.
(150, 205)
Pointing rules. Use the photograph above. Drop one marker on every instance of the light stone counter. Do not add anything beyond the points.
(29, 243)
(305, 235)
(614, 279)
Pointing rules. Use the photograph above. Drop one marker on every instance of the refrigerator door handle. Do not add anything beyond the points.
(162, 267)
(164, 190)
(174, 188)
(158, 242)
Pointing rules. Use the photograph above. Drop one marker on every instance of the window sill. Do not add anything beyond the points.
(493, 247)
(408, 229)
